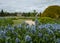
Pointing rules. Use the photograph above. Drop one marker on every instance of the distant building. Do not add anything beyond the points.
(19, 14)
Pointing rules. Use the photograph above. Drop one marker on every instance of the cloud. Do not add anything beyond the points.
(27, 5)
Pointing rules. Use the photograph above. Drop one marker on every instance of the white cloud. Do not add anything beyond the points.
(27, 5)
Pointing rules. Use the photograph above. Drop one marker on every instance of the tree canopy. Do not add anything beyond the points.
(52, 11)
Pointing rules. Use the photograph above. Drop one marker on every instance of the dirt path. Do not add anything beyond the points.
(30, 22)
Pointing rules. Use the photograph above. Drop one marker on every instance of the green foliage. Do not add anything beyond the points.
(6, 21)
(23, 32)
(4, 13)
(45, 20)
(29, 14)
(52, 11)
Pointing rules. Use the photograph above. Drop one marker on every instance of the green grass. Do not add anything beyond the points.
(18, 21)
(4, 21)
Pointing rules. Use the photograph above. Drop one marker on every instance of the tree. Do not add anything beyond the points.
(34, 12)
(2, 13)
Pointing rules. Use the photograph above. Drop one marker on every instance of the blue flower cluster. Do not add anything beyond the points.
(25, 33)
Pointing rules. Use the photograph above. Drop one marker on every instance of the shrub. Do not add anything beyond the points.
(6, 21)
(45, 20)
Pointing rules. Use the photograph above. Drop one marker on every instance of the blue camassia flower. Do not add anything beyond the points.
(58, 40)
(17, 40)
(40, 35)
(27, 38)
(33, 29)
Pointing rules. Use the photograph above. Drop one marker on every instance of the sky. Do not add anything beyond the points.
(26, 5)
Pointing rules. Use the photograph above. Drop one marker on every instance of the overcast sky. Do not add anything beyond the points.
(26, 5)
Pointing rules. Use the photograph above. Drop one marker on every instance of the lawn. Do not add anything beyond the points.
(18, 21)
